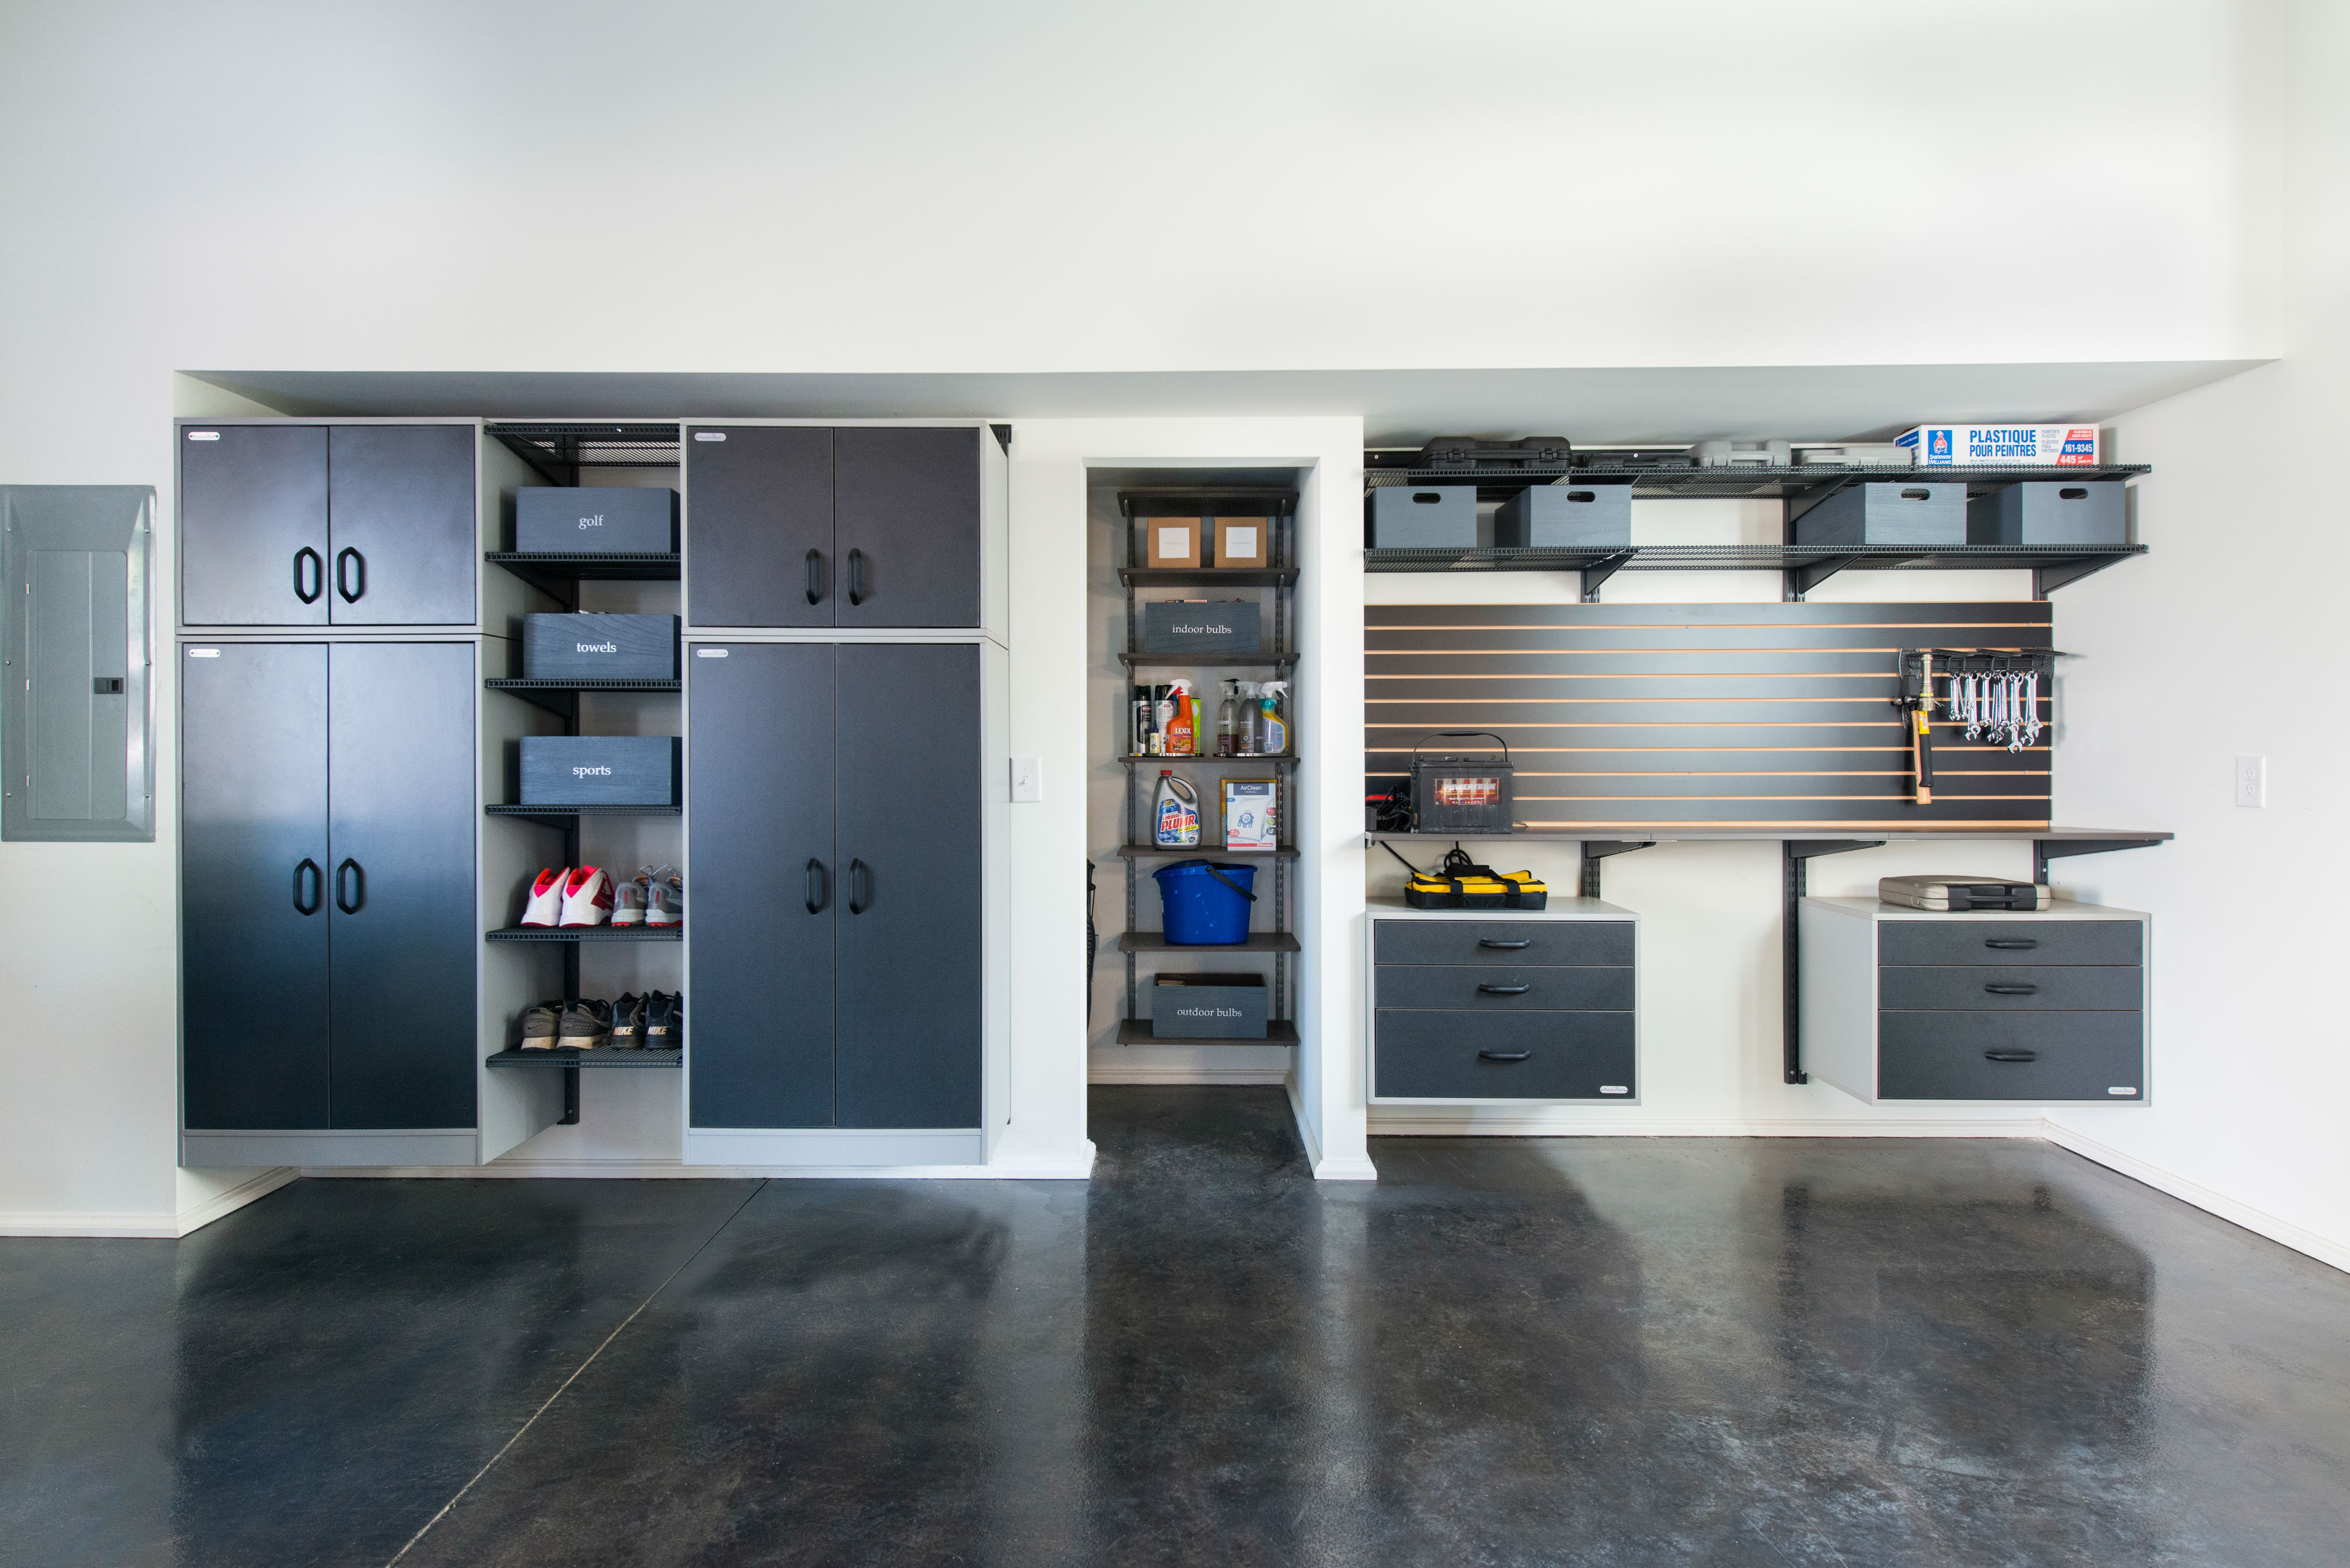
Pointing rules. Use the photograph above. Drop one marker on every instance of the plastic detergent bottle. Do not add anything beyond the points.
(1174, 813)
(1184, 727)
(1273, 726)
(1227, 740)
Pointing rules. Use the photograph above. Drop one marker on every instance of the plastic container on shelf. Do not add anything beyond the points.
(1205, 903)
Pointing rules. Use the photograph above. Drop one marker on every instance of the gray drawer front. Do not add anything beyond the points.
(1552, 990)
(1969, 941)
(2078, 1055)
(1569, 1055)
(1605, 943)
(1983, 988)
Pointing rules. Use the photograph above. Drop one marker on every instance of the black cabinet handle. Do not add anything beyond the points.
(2011, 1056)
(344, 562)
(815, 578)
(309, 868)
(1505, 990)
(1490, 942)
(1503, 1055)
(2012, 990)
(318, 576)
(350, 887)
(819, 888)
(2014, 944)
(861, 887)
(857, 577)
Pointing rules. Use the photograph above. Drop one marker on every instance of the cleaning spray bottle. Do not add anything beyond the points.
(1245, 721)
(1273, 725)
(1184, 727)
(1174, 813)
(1227, 711)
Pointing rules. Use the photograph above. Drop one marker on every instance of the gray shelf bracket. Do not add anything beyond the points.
(1801, 580)
(570, 1095)
(1600, 571)
(1595, 850)
(1797, 856)
(2044, 850)
(2047, 580)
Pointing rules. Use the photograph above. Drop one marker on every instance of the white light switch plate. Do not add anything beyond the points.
(2251, 781)
(1027, 779)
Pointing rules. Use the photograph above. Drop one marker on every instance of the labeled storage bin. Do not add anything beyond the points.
(1888, 512)
(1205, 903)
(2050, 511)
(602, 770)
(566, 520)
(1202, 626)
(1424, 517)
(1208, 1006)
(1566, 516)
(599, 647)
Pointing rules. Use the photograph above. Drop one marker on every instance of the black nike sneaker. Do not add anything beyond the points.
(629, 1021)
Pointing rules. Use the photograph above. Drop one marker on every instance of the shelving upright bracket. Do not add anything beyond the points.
(1797, 856)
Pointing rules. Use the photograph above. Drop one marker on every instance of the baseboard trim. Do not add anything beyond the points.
(150, 1227)
(1325, 1169)
(1118, 1074)
(1440, 1121)
(1078, 1168)
(220, 1204)
(2283, 1232)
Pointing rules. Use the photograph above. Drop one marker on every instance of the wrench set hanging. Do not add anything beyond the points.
(1994, 696)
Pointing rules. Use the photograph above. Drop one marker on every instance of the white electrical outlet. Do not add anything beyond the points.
(1027, 779)
(2251, 781)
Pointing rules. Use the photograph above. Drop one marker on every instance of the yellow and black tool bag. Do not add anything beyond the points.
(1461, 884)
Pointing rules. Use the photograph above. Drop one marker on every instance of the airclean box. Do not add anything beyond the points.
(602, 770)
(600, 648)
(560, 519)
(2001, 446)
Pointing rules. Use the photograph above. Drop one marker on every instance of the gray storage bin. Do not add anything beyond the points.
(1567, 517)
(2051, 512)
(1424, 517)
(602, 770)
(1202, 626)
(1888, 512)
(1208, 1006)
(599, 647)
(566, 520)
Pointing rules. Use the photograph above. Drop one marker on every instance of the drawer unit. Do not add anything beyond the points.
(1474, 1007)
(1904, 1004)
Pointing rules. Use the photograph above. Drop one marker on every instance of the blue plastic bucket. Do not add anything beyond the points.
(1204, 904)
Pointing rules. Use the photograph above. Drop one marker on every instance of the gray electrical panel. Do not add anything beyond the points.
(76, 727)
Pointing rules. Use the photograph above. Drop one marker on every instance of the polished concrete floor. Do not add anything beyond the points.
(1602, 1351)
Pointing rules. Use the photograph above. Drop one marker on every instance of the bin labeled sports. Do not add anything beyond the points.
(1205, 903)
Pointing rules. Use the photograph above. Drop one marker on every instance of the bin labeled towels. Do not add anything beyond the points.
(600, 648)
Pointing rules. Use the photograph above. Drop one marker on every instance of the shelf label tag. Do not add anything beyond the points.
(1614, 1089)
(2122, 1089)
(204, 653)
(709, 653)
(710, 435)
(204, 435)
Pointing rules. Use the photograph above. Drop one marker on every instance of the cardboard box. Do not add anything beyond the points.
(1888, 512)
(1173, 541)
(600, 648)
(602, 770)
(1202, 626)
(564, 520)
(1243, 541)
(1565, 517)
(1424, 517)
(1208, 1007)
(2051, 512)
(2003, 446)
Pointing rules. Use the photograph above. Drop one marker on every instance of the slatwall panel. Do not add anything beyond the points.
(1760, 716)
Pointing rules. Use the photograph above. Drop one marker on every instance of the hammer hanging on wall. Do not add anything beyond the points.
(1918, 710)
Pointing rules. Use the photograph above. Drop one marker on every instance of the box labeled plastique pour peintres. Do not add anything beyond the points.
(2016, 446)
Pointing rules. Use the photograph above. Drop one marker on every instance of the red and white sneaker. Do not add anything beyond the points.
(586, 897)
(546, 905)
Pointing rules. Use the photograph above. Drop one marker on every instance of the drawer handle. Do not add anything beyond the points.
(1507, 947)
(1503, 1055)
(318, 576)
(861, 887)
(343, 564)
(2011, 1056)
(814, 575)
(1505, 990)
(820, 886)
(2012, 990)
(2014, 944)
(857, 577)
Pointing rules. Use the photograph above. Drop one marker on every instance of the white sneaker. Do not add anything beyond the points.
(628, 898)
(665, 897)
(546, 905)
(586, 897)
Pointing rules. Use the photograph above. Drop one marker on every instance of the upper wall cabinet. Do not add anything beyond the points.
(862, 526)
(296, 526)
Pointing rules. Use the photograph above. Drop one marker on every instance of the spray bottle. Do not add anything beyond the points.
(1174, 813)
(1227, 722)
(1245, 721)
(1273, 725)
(1184, 727)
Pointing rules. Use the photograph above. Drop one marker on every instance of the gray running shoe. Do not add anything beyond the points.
(587, 1024)
(665, 897)
(539, 1026)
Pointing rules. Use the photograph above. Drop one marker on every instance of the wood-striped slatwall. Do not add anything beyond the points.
(1761, 716)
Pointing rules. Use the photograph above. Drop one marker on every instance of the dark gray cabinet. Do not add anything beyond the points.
(313, 526)
(857, 527)
(327, 874)
(833, 796)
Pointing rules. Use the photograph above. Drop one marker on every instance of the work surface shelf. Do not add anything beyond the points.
(1208, 660)
(2056, 565)
(1699, 483)
(1278, 759)
(1257, 942)
(561, 698)
(1151, 851)
(1137, 1031)
(603, 1056)
(1612, 833)
(585, 934)
(559, 574)
(1207, 577)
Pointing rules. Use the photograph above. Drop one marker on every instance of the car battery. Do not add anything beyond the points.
(1888, 512)
(1202, 626)
(600, 648)
(1959, 894)
(564, 520)
(1208, 1006)
(2050, 511)
(1462, 793)
(602, 770)
(1424, 517)
(1566, 516)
